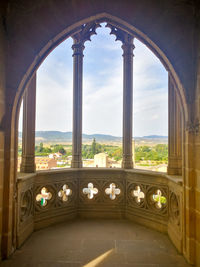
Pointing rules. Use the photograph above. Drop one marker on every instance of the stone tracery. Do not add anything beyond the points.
(44, 196)
(80, 37)
(90, 191)
(138, 194)
(159, 199)
(64, 193)
(112, 191)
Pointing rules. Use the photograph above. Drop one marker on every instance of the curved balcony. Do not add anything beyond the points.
(99, 242)
(149, 198)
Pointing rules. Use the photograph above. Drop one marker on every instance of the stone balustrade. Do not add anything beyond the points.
(152, 199)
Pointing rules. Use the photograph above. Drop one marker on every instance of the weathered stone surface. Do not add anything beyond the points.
(97, 243)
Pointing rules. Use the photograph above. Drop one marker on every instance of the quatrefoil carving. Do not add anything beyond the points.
(65, 193)
(43, 197)
(112, 191)
(90, 191)
(138, 194)
(159, 199)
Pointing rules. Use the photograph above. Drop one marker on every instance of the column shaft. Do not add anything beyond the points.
(28, 136)
(77, 104)
(174, 131)
(127, 47)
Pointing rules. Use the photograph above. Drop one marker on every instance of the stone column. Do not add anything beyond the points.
(80, 37)
(28, 136)
(174, 131)
(128, 46)
(78, 48)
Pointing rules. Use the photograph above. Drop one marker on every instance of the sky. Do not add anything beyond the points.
(102, 89)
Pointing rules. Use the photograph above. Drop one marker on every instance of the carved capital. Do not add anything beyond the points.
(78, 49)
(127, 162)
(193, 127)
(128, 49)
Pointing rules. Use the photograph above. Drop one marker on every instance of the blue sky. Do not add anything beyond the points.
(102, 89)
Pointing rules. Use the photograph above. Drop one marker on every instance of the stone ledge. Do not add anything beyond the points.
(173, 178)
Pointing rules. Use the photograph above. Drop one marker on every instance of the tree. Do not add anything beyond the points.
(157, 153)
(62, 151)
(117, 154)
(94, 147)
(47, 150)
(41, 147)
(58, 148)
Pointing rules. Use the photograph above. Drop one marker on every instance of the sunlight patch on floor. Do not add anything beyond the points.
(99, 259)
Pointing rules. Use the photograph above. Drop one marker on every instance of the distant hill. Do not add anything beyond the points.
(56, 136)
(65, 137)
(153, 137)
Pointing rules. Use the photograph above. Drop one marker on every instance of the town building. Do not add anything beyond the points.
(101, 160)
(45, 163)
(55, 155)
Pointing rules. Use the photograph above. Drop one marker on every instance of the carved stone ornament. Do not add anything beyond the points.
(90, 191)
(138, 194)
(43, 196)
(124, 37)
(121, 35)
(85, 32)
(174, 208)
(112, 191)
(159, 199)
(64, 193)
(193, 127)
(26, 208)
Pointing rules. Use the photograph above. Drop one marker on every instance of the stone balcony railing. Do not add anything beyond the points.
(152, 199)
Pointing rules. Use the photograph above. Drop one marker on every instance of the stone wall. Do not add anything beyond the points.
(2, 112)
(196, 156)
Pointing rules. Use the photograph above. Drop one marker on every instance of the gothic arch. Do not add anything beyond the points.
(102, 17)
(47, 48)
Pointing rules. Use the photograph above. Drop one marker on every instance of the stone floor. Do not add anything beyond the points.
(96, 243)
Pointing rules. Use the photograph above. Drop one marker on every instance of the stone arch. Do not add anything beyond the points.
(48, 47)
(102, 17)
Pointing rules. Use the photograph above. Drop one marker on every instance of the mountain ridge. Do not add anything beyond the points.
(67, 136)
